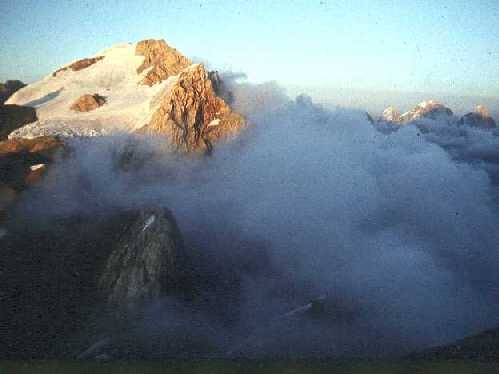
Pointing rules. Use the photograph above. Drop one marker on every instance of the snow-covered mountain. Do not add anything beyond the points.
(122, 89)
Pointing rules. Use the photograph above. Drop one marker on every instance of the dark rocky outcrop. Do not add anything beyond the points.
(23, 162)
(13, 117)
(141, 267)
(86, 103)
(8, 88)
(192, 116)
(162, 60)
(483, 346)
(480, 118)
(79, 65)
(220, 88)
(63, 280)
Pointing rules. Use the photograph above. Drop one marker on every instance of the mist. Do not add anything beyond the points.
(397, 232)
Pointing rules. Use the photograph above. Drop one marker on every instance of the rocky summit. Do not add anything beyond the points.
(427, 109)
(480, 118)
(144, 88)
(160, 60)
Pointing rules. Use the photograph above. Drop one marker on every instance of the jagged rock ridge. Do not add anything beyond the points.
(79, 65)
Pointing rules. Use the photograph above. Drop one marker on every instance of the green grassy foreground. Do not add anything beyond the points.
(236, 367)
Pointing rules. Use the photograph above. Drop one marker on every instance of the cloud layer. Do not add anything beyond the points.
(398, 231)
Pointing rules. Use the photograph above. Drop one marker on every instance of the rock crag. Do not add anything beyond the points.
(86, 103)
(162, 60)
(192, 116)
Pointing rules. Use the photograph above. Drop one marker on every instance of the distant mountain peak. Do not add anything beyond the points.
(483, 110)
(426, 109)
(480, 118)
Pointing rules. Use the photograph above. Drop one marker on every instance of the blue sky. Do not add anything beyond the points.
(419, 46)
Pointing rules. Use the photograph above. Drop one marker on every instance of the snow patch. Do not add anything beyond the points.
(215, 122)
(36, 167)
(149, 222)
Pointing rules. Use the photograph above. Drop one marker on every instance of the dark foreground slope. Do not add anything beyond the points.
(266, 367)
(480, 347)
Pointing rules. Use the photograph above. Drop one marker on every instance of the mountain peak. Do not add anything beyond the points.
(147, 87)
(426, 109)
(479, 118)
(484, 111)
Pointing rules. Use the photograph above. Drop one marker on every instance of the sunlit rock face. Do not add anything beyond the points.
(427, 109)
(191, 115)
(141, 266)
(86, 103)
(480, 118)
(160, 60)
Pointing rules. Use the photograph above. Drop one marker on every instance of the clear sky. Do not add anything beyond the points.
(423, 46)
